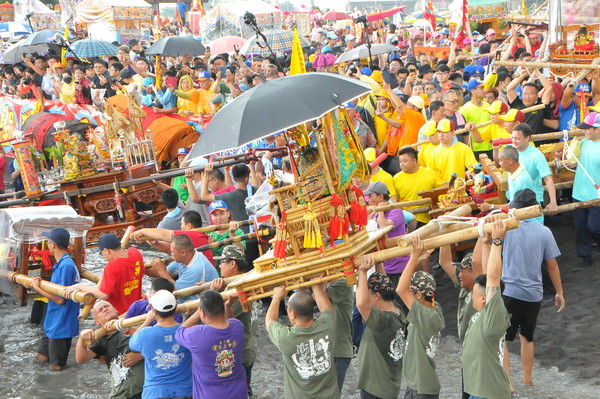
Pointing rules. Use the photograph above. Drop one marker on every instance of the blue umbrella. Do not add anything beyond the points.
(90, 48)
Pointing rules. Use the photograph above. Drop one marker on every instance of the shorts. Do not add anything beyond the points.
(56, 350)
(412, 394)
(523, 318)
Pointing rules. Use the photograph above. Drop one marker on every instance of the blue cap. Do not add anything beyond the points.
(183, 151)
(395, 56)
(349, 105)
(366, 71)
(108, 241)
(148, 81)
(479, 69)
(244, 86)
(59, 236)
(216, 205)
(445, 31)
(582, 87)
(470, 70)
(248, 63)
(332, 36)
(204, 75)
(473, 84)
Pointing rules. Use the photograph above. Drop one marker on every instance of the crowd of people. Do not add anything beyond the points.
(393, 321)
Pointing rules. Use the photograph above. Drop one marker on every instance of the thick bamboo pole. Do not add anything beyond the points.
(89, 275)
(433, 226)
(56, 289)
(556, 135)
(546, 65)
(446, 239)
(405, 204)
(196, 289)
(575, 205)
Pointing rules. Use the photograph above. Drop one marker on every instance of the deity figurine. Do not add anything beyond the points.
(77, 162)
(584, 40)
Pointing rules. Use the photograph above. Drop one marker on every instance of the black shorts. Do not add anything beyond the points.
(56, 350)
(523, 317)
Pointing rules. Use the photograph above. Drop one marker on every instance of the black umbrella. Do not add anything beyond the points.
(174, 46)
(274, 106)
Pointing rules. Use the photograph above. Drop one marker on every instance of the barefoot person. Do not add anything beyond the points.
(126, 368)
(524, 249)
(426, 321)
(483, 375)
(60, 323)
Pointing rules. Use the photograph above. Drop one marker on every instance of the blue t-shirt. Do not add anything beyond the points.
(537, 167)
(524, 250)
(141, 307)
(199, 270)
(167, 365)
(589, 157)
(568, 117)
(517, 181)
(61, 320)
(182, 8)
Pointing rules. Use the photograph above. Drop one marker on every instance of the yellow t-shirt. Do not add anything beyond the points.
(67, 93)
(477, 115)
(408, 185)
(425, 154)
(386, 179)
(453, 159)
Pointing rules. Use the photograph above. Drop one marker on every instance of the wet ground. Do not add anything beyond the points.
(566, 365)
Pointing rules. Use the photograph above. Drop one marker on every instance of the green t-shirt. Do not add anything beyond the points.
(308, 358)
(477, 115)
(125, 382)
(422, 343)
(220, 237)
(182, 191)
(250, 321)
(342, 297)
(464, 312)
(483, 352)
(380, 354)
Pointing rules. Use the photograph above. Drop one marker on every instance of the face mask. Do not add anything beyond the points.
(67, 79)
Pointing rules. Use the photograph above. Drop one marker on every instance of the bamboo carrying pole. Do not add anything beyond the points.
(196, 289)
(433, 226)
(396, 205)
(89, 275)
(56, 289)
(556, 135)
(446, 239)
(575, 205)
(123, 324)
(546, 65)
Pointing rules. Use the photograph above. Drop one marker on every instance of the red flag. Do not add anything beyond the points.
(429, 15)
(461, 26)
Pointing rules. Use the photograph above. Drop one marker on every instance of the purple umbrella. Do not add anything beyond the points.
(324, 60)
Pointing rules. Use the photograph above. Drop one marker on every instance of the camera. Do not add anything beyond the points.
(249, 18)
(361, 19)
(27, 80)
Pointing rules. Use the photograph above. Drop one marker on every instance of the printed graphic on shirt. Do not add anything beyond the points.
(312, 359)
(118, 372)
(432, 347)
(135, 283)
(224, 363)
(396, 346)
(167, 360)
(501, 350)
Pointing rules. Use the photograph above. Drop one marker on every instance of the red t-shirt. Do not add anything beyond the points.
(122, 280)
(199, 239)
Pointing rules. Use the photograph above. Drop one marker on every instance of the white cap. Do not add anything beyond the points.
(163, 301)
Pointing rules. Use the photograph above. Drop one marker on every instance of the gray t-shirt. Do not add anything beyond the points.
(524, 251)
(172, 221)
(235, 201)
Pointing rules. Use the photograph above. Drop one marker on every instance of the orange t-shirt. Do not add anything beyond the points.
(410, 123)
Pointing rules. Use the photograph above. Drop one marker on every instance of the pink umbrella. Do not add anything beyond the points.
(336, 16)
(324, 60)
(225, 44)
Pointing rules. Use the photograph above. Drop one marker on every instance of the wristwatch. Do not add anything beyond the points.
(497, 241)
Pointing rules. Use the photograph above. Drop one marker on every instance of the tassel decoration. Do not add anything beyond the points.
(358, 208)
(312, 230)
(335, 220)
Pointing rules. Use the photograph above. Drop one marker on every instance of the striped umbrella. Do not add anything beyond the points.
(280, 40)
(91, 48)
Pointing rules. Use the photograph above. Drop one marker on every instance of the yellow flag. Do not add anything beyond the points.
(297, 63)
(523, 8)
(63, 51)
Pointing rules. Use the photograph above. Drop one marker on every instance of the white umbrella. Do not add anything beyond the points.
(362, 51)
(15, 52)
